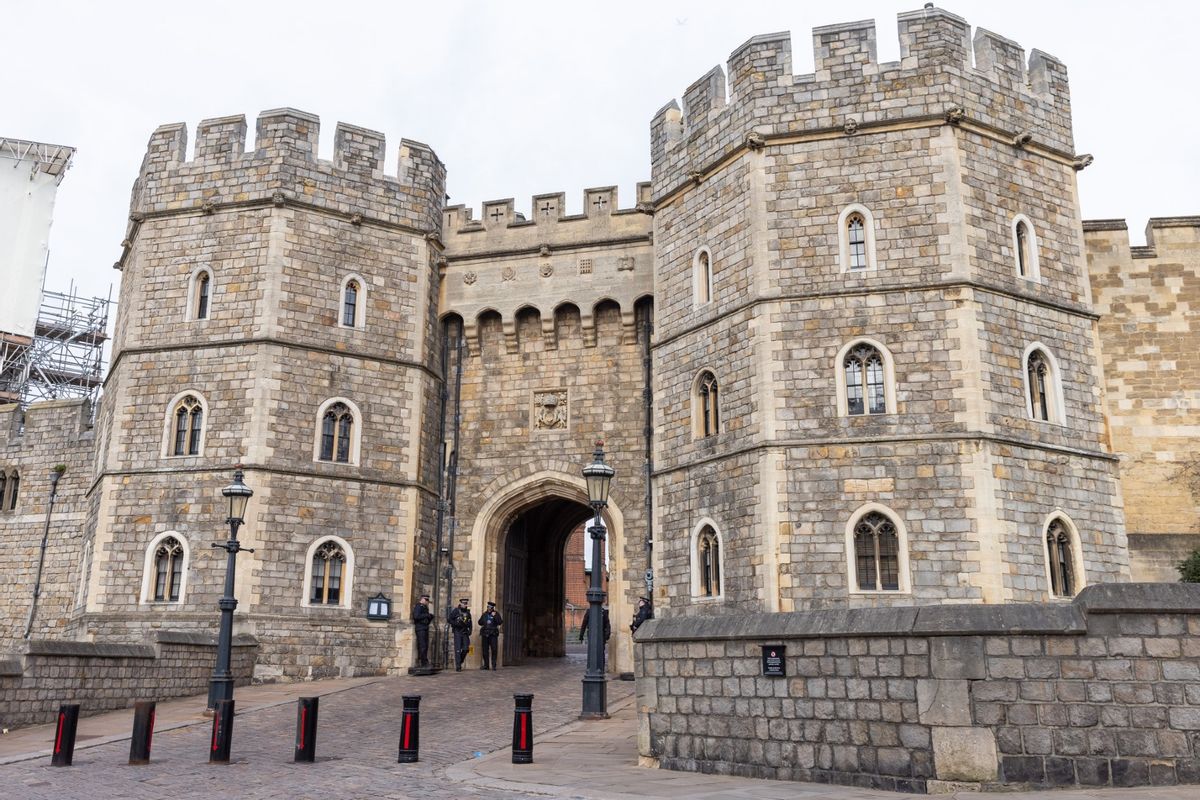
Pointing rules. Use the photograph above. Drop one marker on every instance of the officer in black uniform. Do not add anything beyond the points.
(489, 636)
(644, 612)
(460, 623)
(606, 627)
(421, 617)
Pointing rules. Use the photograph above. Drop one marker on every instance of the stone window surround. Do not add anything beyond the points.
(355, 431)
(360, 306)
(905, 579)
(347, 587)
(9, 490)
(698, 407)
(85, 563)
(192, 299)
(1057, 402)
(699, 278)
(889, 377)
(694, 559)
(1033, 273)
(147, 596)
(168, 443)
(844, 238)
(1077, 570)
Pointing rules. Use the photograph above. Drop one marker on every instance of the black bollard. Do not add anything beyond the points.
(410, 731)
(522, 746)
(64, 736)
(306, 729)
(222, 733)
(143, 732)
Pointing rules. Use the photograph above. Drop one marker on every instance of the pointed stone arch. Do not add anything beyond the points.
(516, 493)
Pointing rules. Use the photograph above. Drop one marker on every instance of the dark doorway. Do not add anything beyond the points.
(534, 581)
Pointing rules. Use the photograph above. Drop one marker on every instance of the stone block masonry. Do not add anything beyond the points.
(1102, 691)
(101, 677)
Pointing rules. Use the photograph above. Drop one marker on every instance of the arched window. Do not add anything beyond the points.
(328, 564)
(202, 295)
(856, 239)
(1043, 388)
(865, 386)
(188, 426)
(707, 405)
(337, 426)
(856, 234)
(338, 432)
(353, 306)
(876, 554)
(1025, 248)
(164, 576)
(1066, 579)
(702, 277)
(708, 558)
(168, 570)
(10, 485)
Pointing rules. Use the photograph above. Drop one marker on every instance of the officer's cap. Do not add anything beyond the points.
(464, 600)
(491, 604)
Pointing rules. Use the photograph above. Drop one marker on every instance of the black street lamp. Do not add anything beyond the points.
(220, 687)
(598, 476)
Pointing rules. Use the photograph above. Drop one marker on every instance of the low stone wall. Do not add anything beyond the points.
(1104, 690)
(102, 676)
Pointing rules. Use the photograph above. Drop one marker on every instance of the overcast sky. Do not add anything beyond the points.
(520, 98)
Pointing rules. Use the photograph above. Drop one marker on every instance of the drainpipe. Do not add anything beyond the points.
(55, 474)
(648, 436)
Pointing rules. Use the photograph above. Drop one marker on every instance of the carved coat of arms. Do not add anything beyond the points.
(550, 410)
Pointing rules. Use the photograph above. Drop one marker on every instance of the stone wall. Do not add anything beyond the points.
(1149, 338)
(32, 443)
(1104, 690)
(43, 674)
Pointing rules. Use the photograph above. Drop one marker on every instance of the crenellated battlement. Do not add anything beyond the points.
(284, 167)
(943, 73)
(502, 228)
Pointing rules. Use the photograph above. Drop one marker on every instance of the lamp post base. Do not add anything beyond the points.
(595, 698)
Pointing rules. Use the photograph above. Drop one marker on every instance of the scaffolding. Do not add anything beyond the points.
(65, 356)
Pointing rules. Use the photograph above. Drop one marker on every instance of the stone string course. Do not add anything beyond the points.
(1101, 691)
(104, 676)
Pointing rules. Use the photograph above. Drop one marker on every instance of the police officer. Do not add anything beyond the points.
(489, 635)
(606, 627)
(421, 617)
(644, 612)
(460, 623)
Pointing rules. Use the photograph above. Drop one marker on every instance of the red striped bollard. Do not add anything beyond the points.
(410, 730)
(143, 732)
(306, 729)
(522, 746)
(222, 733)
(64, 736)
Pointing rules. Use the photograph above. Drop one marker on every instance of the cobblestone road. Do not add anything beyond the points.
(461, 714)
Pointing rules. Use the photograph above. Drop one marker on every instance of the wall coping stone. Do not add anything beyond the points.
(60, 647)
(940, 620)
(204, 639)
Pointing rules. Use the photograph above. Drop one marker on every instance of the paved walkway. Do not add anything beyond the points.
(466, 725)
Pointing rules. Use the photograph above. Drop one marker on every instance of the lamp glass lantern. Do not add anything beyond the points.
(598, 477)
(238, 494)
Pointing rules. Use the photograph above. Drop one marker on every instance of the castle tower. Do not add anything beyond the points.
(279, 311)
(556, 312)
(876, 371)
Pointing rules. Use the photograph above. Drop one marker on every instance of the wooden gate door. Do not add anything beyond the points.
(516, 558)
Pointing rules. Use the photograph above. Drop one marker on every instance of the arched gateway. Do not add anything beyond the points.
(518, 541)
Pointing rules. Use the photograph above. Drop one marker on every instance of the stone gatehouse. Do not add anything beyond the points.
(850, 346)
